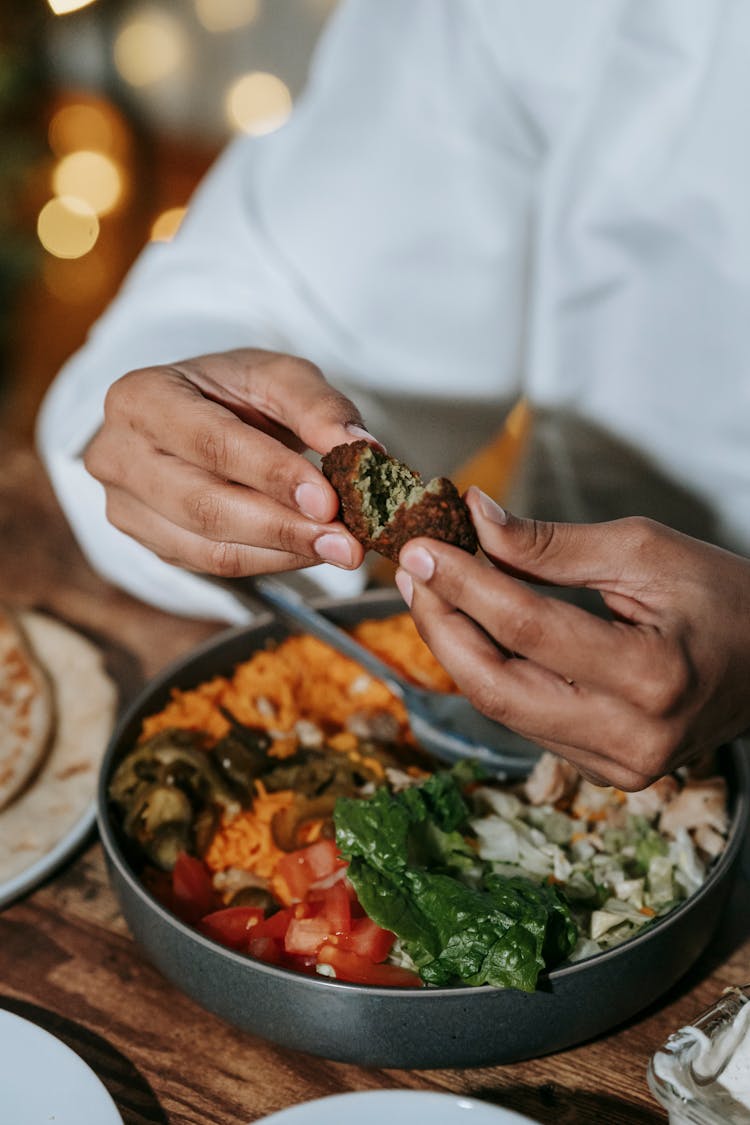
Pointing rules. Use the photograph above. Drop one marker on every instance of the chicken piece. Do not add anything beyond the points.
(650, 801)
(602, 803)
(709, 841)
(551, 779)
(700, 803)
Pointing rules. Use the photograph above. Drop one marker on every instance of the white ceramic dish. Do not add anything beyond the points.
(69, 1092)
(398, 1107)
(41, 868)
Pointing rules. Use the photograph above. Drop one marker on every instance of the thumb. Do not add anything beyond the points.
(563, 554)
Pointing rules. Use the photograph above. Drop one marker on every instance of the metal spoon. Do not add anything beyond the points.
(446, 725)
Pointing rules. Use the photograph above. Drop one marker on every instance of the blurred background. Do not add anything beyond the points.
(110, 113)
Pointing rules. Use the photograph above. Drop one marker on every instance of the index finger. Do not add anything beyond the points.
(178, 417)
(290, 391)
(608, 654)
(603, 735)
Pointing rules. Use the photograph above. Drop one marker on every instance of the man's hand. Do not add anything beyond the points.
(625, 697)
(202, 463)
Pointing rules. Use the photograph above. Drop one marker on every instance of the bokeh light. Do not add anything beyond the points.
(258, 103)
(226, 15)
(91, 177)
(150, 46)
(92, 124)
(67, 227)
(62, 7)
(166, 225)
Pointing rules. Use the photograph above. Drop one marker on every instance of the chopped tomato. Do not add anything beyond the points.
(367, 939)
(324, 925)
(306, 935)
(231, 926)
(265, 949)
(193, 891)
(335, 905)
(302, 869)
(276, 925)
(358, 970)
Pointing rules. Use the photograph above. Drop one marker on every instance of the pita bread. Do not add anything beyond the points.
(85, 703)
(26, 710)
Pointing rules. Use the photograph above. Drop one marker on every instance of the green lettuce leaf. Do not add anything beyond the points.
(416, 874)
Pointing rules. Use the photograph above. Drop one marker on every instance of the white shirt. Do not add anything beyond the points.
(473, 199)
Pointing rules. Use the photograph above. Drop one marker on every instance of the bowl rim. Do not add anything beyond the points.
(740, 817)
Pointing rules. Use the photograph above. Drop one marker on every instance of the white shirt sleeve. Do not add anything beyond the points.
(344, 237)
(471, 200)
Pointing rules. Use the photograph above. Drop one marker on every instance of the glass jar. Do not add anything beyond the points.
(701, 1074)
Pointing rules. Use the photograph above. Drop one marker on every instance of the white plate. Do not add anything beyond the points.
(37, 871)
(397, 1107)
(42, 1080)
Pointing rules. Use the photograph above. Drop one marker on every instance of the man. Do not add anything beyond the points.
(473, 200)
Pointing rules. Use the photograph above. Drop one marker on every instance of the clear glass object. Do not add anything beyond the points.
(701, 1074)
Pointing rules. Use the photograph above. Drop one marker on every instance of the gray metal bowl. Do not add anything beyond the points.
(396, 1027)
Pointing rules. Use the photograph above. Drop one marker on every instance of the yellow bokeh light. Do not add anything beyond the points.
(226, 15)
(150, 47)
(67, 227)
(90, 176)
(258, 103)
(87, 125)
(167, 224)
(62, 7)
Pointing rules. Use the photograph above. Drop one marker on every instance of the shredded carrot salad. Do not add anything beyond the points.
(300, 679)
(303, 678)
(247, 841)
(396, 641)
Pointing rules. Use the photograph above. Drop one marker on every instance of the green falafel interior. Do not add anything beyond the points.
(385, 484)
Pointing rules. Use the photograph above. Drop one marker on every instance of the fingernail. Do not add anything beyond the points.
(360, 432)
(333, 549)
(405, 586)
(312, 501)
(418, 561)
(490, 509)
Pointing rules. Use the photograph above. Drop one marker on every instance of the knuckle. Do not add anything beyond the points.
(287, 538)
(124, 397)
(449, 581)
(526, 634)
(483, 694)
(205, 512)
(280, 474)
(664, 688)
(639, 533)
(657, 746)
(542, 535)
(225, 560)
(542, 541)
(212, 449)
(306, 368)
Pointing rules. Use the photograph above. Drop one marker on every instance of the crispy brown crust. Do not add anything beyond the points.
(341, 466)
(440, 514)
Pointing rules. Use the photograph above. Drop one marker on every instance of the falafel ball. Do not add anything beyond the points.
(384, 503)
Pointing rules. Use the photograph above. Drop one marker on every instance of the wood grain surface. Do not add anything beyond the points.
(68, 963)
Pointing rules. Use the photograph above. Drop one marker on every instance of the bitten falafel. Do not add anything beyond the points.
(384, 503)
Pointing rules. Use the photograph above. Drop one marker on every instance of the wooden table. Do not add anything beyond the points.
(68, 963)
